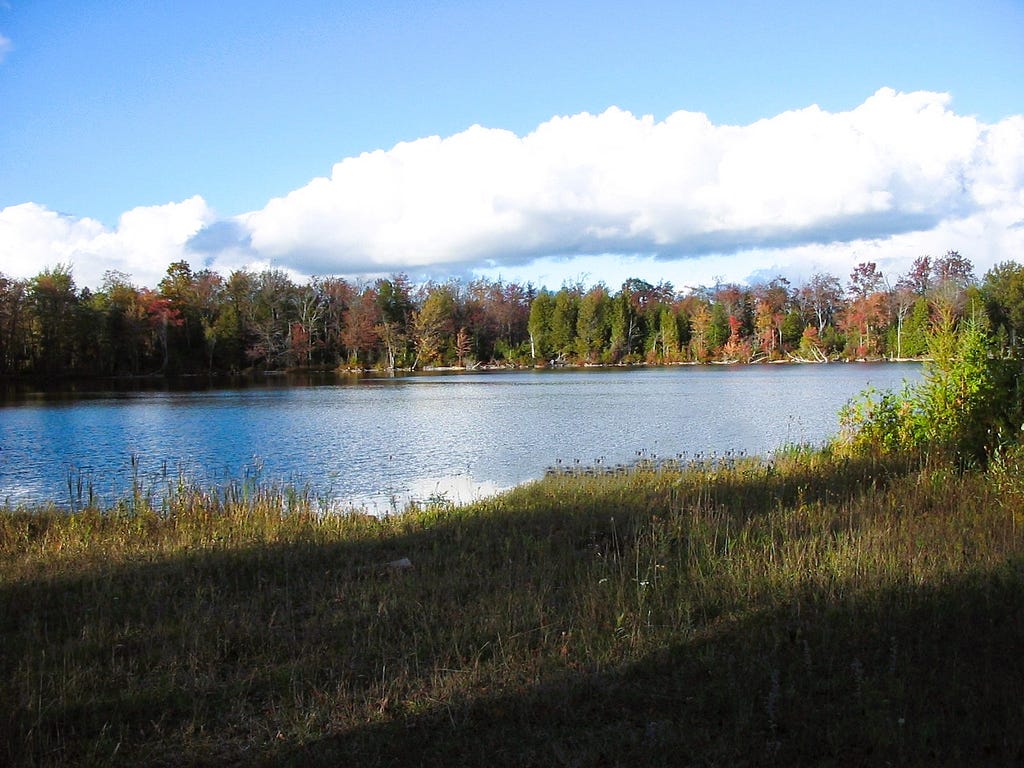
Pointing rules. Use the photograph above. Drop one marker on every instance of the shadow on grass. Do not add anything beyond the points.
(317, 653)
(931, 676)
(204, 640)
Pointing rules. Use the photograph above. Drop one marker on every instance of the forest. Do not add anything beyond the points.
(200, 322)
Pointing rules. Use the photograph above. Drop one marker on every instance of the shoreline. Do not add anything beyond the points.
(50, 383)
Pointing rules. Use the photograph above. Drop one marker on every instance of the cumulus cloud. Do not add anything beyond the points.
(681, 187)
(144, 242)
(900, 175)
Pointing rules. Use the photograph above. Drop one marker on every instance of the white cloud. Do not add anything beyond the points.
(142, 245)
(6, 46)
(680, 199)
(618, 184)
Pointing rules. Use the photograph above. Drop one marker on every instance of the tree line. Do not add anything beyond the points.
(203, 322)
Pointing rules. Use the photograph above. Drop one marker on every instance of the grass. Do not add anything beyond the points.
(815, 610)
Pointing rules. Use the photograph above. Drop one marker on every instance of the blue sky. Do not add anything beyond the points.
(678, 141)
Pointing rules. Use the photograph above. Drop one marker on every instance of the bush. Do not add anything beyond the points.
(968, 405)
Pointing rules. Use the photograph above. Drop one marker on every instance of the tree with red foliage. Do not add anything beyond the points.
(866, 314)
(161, 315)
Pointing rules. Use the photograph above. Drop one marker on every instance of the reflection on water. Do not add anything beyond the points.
(454, 489)
(382, 441)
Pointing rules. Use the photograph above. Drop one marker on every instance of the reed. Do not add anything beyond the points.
(812, 609)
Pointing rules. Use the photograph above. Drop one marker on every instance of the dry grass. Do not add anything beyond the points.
(812, 610)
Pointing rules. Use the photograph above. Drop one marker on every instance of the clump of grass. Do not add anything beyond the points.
(811, 609)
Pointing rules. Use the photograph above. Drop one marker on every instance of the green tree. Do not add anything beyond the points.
(90, 319)
(719, 329)
(592, 323)
(539, 325)
(125, 340)
(1003, 293)
(563, 321)
(669, 344)
(628, 325)
(186, 341)
(13, 330)
(229, 333)
(52, 300)
(395, 302)
(223, 340)
(916, 329)
(433, 326)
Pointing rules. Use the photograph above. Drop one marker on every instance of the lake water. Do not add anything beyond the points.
(379, 441)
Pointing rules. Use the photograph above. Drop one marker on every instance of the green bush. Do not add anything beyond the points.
(968, 405)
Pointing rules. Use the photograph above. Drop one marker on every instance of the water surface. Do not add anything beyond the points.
(380, 441)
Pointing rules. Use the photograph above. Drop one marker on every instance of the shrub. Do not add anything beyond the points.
(967, 406)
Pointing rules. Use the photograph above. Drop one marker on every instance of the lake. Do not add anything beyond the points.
(379, 441)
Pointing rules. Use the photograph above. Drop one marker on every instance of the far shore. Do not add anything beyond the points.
(506, 366)
(59, 382)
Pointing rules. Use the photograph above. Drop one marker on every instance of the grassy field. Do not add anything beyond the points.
(814, 610)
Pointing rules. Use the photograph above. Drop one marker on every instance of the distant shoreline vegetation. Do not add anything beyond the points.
(201, 323)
